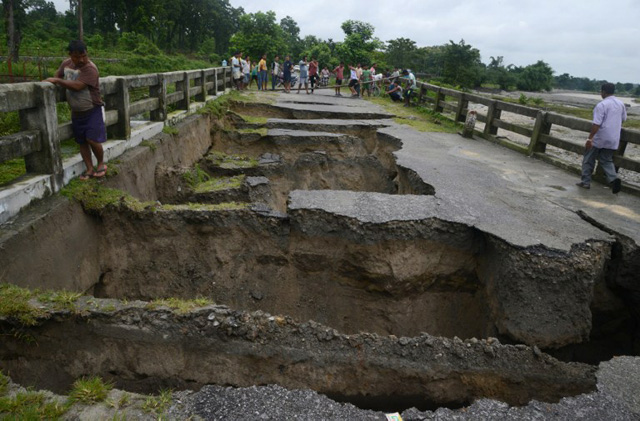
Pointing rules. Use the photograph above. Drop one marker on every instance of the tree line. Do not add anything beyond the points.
(214, 30)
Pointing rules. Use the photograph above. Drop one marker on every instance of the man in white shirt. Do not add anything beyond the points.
(411, 86)
(236, 70)
(275, 70)
(604, 138)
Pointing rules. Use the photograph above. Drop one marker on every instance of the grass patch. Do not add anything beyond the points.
(30, 406)
(158, 404)
(220, 183)
(14, 303)
(89, 390)
(254, 119)
(4, 384)
(61, 300)
(12, 169)
(229, 206)
(218, 107)
(178, 305)
(631, 124)
(253, 97)
(196, 176)
(69, 148)
(223, 160)
(95, 197)
(572, 111)
(149, 144)
(170, 130)
(420, 118)
(261, 131)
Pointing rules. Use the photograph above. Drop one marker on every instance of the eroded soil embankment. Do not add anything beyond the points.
(140, 349)
(402, 277)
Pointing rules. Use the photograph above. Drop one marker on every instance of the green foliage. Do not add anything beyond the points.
(4, 384)
(205, 207)
(178, 305)
(30, 406)
(291, 36)
(61, 300)
(461, 64)
(258, 34)
(359, 43)
(158, 404)
(95, 197)
(500, 75)
(523, 99)
(195, 176)
(12, 169)
(219, 107)
(231, 161)
(170, 130)
(89, 390)
(14, 303)
(535, 77)
(402, 53)
(220, 183)
(137, 44)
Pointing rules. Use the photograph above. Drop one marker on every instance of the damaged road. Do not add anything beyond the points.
(346, 253)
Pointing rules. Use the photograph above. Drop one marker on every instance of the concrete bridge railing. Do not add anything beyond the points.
(442, 99)
(38, 140)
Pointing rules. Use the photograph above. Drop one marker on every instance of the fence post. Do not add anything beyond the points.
(421, 95)
(159, 91)
(183, 85)
(622, 148)
(493, 113)
(44, 118)
(215, 82)
(202, 96)
(439, 97)
(228, 83)
(540, 127)
(463, 105)
(119, 101)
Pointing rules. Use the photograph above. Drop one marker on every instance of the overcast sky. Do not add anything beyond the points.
(597, 39)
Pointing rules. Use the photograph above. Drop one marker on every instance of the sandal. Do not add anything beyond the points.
(86, 175)
(100, 172)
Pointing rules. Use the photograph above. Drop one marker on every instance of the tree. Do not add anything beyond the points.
(500, 75)
(536, 77)
(401, 53)
(358, 44)
(291, 33)
(13, 21)
(259, 34)
(461, 64)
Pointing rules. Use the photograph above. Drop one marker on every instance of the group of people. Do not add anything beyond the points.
(244, 73)
(361, 79)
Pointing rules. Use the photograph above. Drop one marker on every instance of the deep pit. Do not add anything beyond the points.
(316, 268)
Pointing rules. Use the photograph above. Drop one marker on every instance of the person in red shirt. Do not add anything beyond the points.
(339, 71)
(80, 77)
(313, 72)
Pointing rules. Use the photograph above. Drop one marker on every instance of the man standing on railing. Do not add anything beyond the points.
(80, 77)
(604, 138)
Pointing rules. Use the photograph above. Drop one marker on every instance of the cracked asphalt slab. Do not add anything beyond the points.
(521, 199)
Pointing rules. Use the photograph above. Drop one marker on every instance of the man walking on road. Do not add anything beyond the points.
(604, 138)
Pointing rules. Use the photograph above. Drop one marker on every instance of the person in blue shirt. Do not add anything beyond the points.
(395, 91)
(286, 74)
